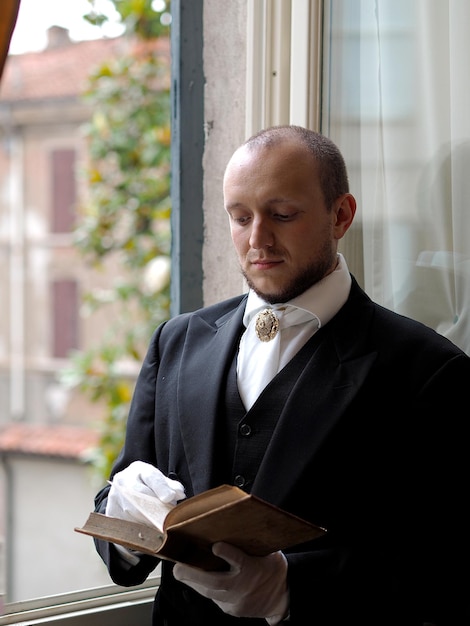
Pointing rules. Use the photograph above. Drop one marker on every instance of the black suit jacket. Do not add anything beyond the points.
(371, 444)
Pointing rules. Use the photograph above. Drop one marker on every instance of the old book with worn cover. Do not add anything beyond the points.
(186, 532)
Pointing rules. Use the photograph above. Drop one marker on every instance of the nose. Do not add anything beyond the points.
(261, 235)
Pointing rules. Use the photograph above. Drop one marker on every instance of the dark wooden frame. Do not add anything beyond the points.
(8, 14)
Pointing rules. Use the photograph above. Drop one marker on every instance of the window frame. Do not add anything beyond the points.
(280, 92)
(113, 605)
(100, 606)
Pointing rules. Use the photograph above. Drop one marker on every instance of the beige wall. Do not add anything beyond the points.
(225, 71)
(73, 562)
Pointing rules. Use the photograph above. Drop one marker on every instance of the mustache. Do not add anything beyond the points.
(255, 257)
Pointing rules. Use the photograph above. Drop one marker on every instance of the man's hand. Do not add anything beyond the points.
(253, 586)
(144, 478)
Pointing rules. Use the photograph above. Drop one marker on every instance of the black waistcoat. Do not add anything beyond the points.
(248, 433)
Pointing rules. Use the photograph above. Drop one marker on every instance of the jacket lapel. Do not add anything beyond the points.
(328, 384)
(208, 353)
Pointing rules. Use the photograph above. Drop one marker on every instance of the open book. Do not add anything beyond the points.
(185, 533)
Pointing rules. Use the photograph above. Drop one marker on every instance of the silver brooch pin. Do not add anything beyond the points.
(266, 325)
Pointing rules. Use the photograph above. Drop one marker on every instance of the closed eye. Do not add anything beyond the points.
(242, 220)
(285, 217)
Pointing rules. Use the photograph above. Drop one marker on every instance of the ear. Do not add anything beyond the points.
(344, 211)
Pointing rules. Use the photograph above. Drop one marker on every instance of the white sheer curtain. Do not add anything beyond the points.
(397, 101)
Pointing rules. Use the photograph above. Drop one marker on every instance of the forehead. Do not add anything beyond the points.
(283, 163)
(280, 149)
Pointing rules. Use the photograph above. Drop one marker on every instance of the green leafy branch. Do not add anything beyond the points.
(123, 228)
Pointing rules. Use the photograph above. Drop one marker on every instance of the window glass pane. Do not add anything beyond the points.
(64, 196)
(394, 96)
(47, 429)
(65, 305)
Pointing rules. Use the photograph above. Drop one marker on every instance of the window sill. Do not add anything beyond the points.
(113, 605)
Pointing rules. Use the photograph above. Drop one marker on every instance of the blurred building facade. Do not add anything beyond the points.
(45, 428)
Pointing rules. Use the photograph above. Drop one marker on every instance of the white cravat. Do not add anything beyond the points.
(259, 361)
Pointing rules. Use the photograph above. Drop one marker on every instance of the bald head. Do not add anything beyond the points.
(327, 158)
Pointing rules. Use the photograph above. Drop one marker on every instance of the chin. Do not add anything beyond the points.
(270, 290)
(267, 292)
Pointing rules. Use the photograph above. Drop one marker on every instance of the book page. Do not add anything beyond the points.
(151, 508)
(204, 502)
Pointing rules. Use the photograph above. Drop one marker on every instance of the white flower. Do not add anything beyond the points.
(156, 275)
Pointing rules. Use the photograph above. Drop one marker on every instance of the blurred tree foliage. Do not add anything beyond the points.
(123, 227)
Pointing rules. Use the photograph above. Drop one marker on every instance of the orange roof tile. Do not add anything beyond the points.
(62, 71)
(47, 440)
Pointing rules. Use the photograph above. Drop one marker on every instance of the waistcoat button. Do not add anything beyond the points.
(245, 430)
(239, 480)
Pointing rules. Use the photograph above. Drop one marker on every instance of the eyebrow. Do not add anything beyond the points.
(271, 201)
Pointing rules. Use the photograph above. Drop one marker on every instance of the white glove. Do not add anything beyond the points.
(143, 478)
(253, 587)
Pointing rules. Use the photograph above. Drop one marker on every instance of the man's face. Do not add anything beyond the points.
(283, 233)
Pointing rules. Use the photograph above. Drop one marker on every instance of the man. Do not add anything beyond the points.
(362, 430)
